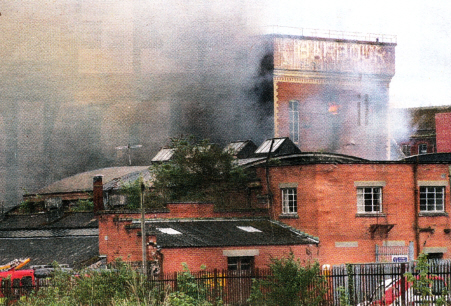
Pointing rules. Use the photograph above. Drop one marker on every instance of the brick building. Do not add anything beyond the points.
(357, 206)
(197, 235)
(428, 130)
(331, 91)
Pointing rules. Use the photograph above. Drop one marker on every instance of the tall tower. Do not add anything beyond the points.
(331, 91)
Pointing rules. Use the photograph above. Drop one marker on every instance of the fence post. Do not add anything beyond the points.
(175, 281)
(403, 283)
(215, 285)
(350, 272)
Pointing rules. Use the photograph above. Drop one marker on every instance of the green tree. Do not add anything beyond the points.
(197, 171)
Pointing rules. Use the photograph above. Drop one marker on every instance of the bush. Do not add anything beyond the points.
(289, 284)
(119, 286)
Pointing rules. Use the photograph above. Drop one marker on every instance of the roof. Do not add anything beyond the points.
(71, 239)
(280, 146)
(72, 250)
(431, 157)
(83, 181)
(306, 158)
(182, 233)
(241, 149)
(129, 178)
(39, 221)
(163, 155)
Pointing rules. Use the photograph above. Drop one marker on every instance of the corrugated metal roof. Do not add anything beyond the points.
(223, 232)
(71, 250)
(49, 233)
(34, 221)
(163, 155)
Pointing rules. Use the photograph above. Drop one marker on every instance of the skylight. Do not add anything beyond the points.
(249, 229)
(169, 231)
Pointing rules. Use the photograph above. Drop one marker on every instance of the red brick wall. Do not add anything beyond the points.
(117, 241)
(327, 207)
(443, 132)
(214, 258)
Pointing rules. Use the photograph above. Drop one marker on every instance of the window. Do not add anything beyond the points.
(294, 120)
(406, 149)
(243, 263)
(369, 199)
(432, 198)
(289, 201)
(422, 148)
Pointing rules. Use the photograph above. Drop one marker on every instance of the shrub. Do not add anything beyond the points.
(290, 284)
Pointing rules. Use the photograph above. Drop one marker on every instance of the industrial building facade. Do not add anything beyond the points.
(332, 95)
(357, 208)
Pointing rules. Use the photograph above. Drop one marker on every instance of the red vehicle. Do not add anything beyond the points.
(16, 282)
(390, 293)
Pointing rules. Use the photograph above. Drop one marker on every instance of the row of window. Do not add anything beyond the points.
(369, 199)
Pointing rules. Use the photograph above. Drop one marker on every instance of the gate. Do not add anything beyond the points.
(394, 254)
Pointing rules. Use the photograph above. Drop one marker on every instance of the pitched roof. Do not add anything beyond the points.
(179, 233)
(129, 178)
(40, 221)
(71, 239)
(241, 149)
(280, 146)
(164, 154)
(83, 181)
(71, 250)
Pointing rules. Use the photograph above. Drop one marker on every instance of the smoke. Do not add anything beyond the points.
(79, 78)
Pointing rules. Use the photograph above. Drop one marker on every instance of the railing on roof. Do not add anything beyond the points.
(355, 36)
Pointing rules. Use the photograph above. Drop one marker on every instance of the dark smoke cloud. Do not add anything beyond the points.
(81, 77)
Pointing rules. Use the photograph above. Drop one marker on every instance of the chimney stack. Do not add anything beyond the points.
(97, 191)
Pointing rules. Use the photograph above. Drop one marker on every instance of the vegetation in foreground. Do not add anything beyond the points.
(289, 284)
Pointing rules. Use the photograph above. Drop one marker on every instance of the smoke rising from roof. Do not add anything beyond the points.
(80, 78)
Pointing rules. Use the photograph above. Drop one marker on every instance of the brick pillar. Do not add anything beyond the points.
(97, 191)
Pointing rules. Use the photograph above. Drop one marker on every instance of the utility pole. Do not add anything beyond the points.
(143, 232)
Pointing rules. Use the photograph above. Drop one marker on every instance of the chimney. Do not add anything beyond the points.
(97, 191)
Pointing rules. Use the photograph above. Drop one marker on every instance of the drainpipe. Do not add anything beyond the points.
(416, 205)
(267, 175)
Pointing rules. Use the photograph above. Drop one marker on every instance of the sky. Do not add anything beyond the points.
(422, 28)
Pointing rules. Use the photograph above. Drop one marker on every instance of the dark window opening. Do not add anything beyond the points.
(244, 263)
(435, 255)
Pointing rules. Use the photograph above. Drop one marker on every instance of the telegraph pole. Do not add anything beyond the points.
(143, 232)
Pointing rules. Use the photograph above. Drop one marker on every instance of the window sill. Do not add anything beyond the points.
(288, 216)
(370, 215)
(432, 214)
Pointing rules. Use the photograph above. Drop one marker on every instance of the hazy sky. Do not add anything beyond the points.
(422, 27)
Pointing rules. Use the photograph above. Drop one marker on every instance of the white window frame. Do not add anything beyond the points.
(368, 197)
(429, 194)
(423, 145)
(294, 120)
(289, 201)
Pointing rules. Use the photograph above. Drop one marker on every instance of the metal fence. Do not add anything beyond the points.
(361, 284)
